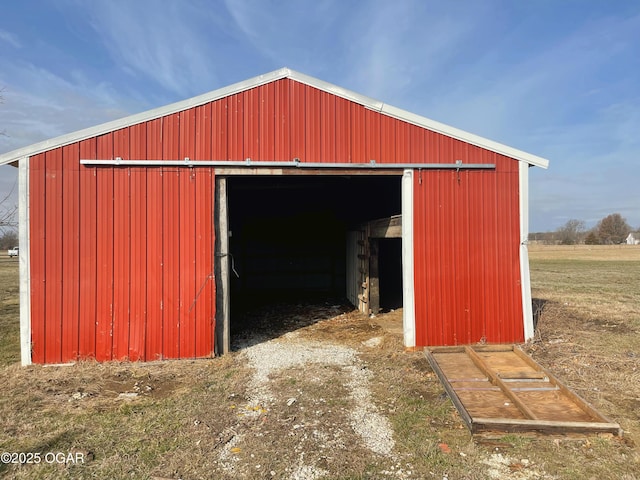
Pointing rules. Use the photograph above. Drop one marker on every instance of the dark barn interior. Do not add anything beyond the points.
(288, 237)
(390, 253)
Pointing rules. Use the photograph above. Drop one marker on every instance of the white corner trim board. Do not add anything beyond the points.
(525, 278)
(408, 294)
(25, 267)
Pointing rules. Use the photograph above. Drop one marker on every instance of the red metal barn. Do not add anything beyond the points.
(132, 231)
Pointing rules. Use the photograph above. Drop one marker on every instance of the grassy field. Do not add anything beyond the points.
(589, 332)
(188, 419)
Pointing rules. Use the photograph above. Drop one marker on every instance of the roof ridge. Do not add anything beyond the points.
(284, 72)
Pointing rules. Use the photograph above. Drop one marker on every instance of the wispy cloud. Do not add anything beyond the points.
(397, 48)
(10, 38)
(302, 35)
(168, 44)
(39, 105)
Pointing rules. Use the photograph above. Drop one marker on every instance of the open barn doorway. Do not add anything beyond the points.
(288, 246)
(390, 267)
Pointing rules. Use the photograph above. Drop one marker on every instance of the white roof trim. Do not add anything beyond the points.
(368, 102)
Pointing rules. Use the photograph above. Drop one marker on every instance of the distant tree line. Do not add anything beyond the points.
(8, 239)
(611, 230)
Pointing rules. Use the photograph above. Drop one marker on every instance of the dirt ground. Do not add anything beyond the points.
(321, 391)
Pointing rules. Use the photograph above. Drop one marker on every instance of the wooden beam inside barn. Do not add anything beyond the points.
(390, 227)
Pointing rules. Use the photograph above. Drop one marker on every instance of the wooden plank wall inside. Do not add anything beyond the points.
(363, 279)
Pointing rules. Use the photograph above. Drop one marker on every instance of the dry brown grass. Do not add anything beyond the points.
(588, 334)
(629, 253)
(187, 411)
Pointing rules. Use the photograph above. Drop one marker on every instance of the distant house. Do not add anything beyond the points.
(632, 240)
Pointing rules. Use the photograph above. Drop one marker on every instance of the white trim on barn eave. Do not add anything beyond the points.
(261, 80)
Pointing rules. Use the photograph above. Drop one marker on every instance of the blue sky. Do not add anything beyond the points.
(559, 79)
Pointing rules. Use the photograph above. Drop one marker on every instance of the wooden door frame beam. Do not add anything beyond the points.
(222, 338)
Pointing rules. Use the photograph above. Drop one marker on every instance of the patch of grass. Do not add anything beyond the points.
(9, 312)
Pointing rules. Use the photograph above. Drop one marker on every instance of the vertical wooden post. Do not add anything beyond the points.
(374, 276)
(363, 265)
(223, 303)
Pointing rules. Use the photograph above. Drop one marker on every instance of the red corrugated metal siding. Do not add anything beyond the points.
(122, 258)
(187, 238)
(282, 144)
(70, 250)
(203, 304)
(266, 121)
(297, 127)
(171, 240)
(342, 130)
(122, 213)
(53, 258)
(38, 214)
(466, 251)
(154, 208)
(138, 282)
(105, 251)
(87, 229)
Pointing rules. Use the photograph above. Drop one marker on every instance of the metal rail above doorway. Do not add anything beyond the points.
(295, 163)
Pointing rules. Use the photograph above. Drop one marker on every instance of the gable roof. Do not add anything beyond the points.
(367, 102)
